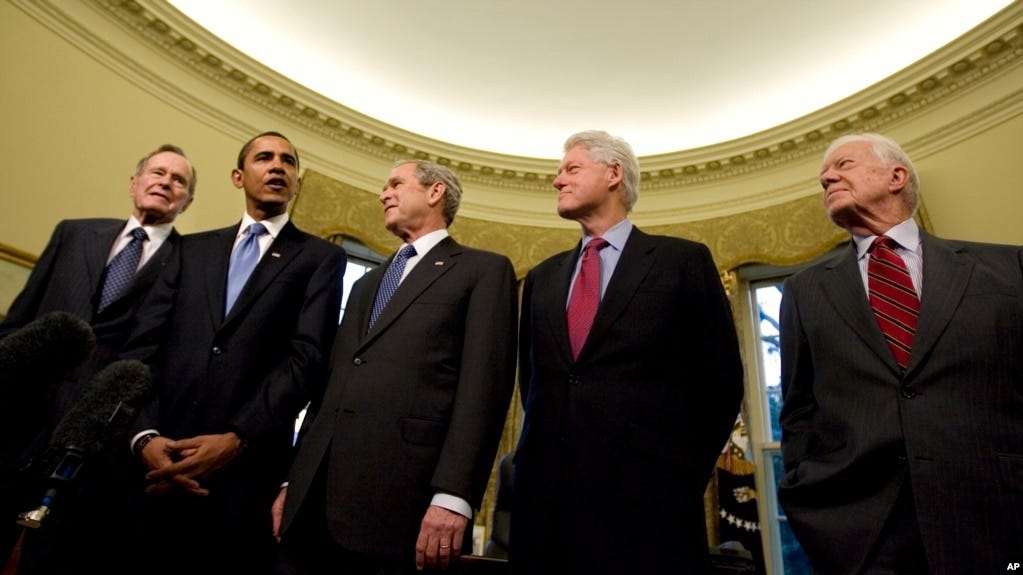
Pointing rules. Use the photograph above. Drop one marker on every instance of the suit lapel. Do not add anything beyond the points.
(945, 276)
(552, 308)
(215, 255)
(435, 263)
(152, 268)
(842, 286)
(96, 252)
(284, 248)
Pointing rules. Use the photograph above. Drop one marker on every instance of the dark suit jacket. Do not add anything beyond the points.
(618, 446)
(416, 406)
(251, 371)
(855, 428)
(67, 278)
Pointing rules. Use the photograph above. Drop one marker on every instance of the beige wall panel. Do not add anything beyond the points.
(972, 191)
(74, 130)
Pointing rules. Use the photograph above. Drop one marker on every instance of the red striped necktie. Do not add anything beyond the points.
(892, 297)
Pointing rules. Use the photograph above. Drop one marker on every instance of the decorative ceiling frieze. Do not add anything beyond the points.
(977, 56)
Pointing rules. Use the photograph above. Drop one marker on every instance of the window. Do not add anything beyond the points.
(785, 556)
(361, 259)
(760, 289)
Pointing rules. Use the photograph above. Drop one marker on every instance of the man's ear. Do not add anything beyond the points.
(188, 203)
(615, 173)
(436, 193)
(899, 178)
(236, 177)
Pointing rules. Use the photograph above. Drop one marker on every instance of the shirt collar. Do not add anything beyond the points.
(906, 234)
(273, 225)
(159, 232)
(615, 236)
(427, 242)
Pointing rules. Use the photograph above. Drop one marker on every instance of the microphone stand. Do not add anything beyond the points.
(65, 472)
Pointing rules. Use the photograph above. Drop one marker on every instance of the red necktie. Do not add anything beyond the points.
(892, 297)
(582, 305)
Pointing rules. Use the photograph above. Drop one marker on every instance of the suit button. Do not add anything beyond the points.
(217, 351)
(908, 392)
(357, 361)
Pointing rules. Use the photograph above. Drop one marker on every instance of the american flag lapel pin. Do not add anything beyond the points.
(438, 263)
(275, 254)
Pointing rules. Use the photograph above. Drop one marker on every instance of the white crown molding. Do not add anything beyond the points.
(146, 41)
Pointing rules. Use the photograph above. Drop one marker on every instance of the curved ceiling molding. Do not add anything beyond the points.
(981, 52)
(976, 57)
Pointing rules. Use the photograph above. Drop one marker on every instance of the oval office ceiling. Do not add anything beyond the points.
(518, 77)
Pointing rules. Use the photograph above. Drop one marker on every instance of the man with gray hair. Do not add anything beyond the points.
(397, 457)
(902, 421)
(631, 381)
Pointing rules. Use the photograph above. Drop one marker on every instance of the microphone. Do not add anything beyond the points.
(35, 358)
(104, 413)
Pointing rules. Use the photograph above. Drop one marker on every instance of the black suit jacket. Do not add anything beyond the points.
(618, 446)
(416, 405)
(67, 278)
(251, 371)
(855, 428)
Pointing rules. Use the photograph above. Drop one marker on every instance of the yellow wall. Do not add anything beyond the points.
(73, 130)
(972, 191)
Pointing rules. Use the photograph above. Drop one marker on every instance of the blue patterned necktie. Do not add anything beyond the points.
(243, 261)
(389, 284)
(121, 269)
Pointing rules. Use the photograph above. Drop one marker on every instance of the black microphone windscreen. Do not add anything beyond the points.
(106, 409)
(44, 350)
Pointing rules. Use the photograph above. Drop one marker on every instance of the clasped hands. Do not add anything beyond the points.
(179, 465)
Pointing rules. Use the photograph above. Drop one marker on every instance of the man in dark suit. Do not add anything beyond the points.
(903, 450)
(623, 420)
(70, 277)
(399, 454)
(230, 379)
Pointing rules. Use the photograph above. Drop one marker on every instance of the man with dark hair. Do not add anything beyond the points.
(236, 334)
(398, 456)
(902, 377)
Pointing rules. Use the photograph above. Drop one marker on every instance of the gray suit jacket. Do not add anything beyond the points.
(416, 405)
(855, 428)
